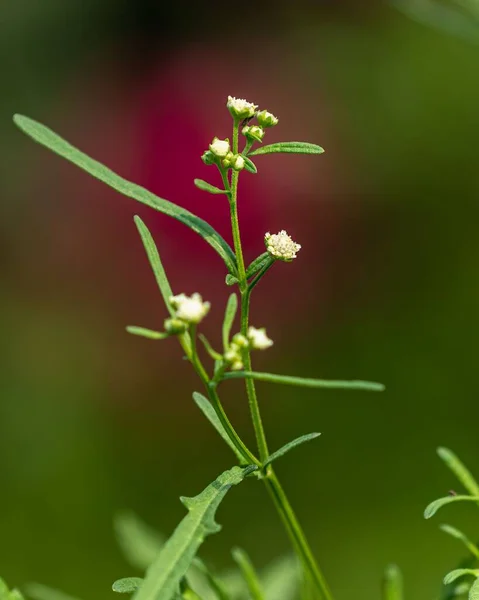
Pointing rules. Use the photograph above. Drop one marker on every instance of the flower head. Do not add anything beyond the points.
(281, 246)
(190, 309)
(220, 148)
(254, 132)
(240, 108)
(238, 163)
(266, 119)
(258, 339)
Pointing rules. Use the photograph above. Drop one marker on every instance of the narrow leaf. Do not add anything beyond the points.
(37, 591)
(45, 136)
(230, 313)
(216, 585)
(459, 470)
(148, 333)
(127, 585)
(209, 348)
(303, 382)
(207, 409)
(249, 165)
(289, 148)
(432, 508)
(249, 573)
(287, 447)
(258, 263)
(453, 575)
(392, 583)
(281, 578)
(207, 187)
(231, 279)
(176, 556)
(455, 533)
(474, 591)
(139, 543)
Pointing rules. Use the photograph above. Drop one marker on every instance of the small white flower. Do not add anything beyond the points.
(258, 338)
(240, 108)
(254, 132)
(220, 148)
(238, 163)
(190, 309)
(281, 246)
(266, 119)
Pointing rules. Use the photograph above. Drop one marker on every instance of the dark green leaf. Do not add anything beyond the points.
(249, 573)
(176, 556)
(453, 575)
(139, 543)
(392, 583)
(231, 280)
(127, 585)
(459, 470)
(249, 165)
(287, 447)
(207, 187)
(147, 333)
(289, 148)
(432, 508)
(303, 382)
(258, 263)
(54, 142)
(230, 313)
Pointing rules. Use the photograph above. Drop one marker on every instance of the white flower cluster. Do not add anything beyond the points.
(241, 108)
(256, 339)
(281, 246)
(189, 309)
(220, 151)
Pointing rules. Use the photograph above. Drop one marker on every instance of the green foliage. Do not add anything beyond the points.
(249, 573)
(139, 543)
(460, 470)
(453, 575)
(176, 556)
(455, 533)
(231, 279)
(146, 333)
(289, 148)
(45, 136)
(258, 263)
(392, 583)
(474, 591)
(207, 187)
(287, 447)
(127, 585)
(249, 165)
(434, 506)
(6, 594)
(37, 591)
(230, 313)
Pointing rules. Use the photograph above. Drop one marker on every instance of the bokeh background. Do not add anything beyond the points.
(386, 286)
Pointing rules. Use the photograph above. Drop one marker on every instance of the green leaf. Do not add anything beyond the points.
(207, 187)
(249, 573)
(432, 508)
(139, 543)
(258, 263)
(7, 594)
(249, 165)
(455, 533)
(171, 565)
(289, 148)
(474, 591)
(459, 470)
(37, 591)
(207, 409)
(303, 382)
(231, 280)
(290, 446)
(392, 583)
(209, 348)
(54, 142)
(215, 584)
(230, 313)
(127, 585)
(453, 575)
(281, 578)
(147, 333)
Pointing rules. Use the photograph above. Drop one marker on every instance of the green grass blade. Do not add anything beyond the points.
(127, 585)
(432, 508)
(147, 333)
(207, 187)
(45, 136)
(305, 382)
(176, 556)
(474, 591)
(37, 591)
(287, 447)
(207, 409)
(140, 544)
(249, 573)
(230, 313)
(392, 583)
(453, 575)
(455, 533)
(289, 148)
(459, 470)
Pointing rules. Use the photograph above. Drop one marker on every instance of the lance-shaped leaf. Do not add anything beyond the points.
(45, 136)
(249, 165)
(38, 591)
(214, 582)
(127, 585)
(455, 533)
(305, 382)
(207, 409)
(453, 575)
(176, 556)
(258, 263)
(289, 148)
(287, 447)
(139, 543)
(230, 313)
(231, 280)
(249, 573)
(474, 591)
(432, 508)
(147, 333)
(207, 187)
(459, 470)
(392, 583)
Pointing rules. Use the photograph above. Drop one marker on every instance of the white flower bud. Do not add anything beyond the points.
(175, 326)
(228, 160)
(240, 108)
(266, 119)
(258, 338)
(239, 340)
(190, 309)
(281, 246)
(238, 163)
(220, 148)
(253, 132)
(208, 158)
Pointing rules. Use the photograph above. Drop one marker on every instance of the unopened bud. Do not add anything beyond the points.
(220, 148)
(253, 132)
(175, 326)
(266, 119)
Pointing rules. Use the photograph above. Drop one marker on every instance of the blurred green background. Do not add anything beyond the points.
(386, 287)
